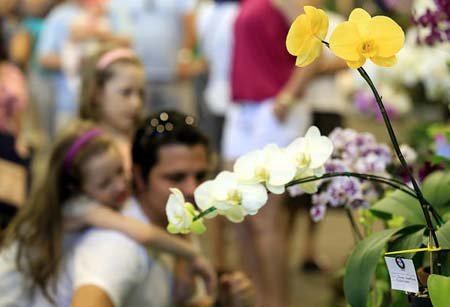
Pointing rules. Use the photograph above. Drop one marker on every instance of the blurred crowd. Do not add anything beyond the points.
(132, 69)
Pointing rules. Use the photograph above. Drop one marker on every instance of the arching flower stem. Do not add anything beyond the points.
(391, 182)
(425, 205)
(357, 232)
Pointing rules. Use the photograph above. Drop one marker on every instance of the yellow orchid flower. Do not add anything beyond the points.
(305, 36)
(364, 37)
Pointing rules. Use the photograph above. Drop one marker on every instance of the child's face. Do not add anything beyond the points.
(121, 99)
(103, 179)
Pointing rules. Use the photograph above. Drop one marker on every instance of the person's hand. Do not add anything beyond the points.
(281, 106)
(201, 266)
(236, 290)
(80, 32)
(280, 111)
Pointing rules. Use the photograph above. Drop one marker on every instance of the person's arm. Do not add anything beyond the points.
(20, 48)
(143, 233)
(90, 296)
(103, 33)
(289, 8)
(299, 80)
(50, 61)
(152, 236)
(189, 65)
(293, 89)
(49, 44)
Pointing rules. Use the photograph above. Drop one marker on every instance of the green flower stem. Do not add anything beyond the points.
(425, 205)
(391, 182)
(439, 220)
(203, 213)
(423, 202)
(355, 228)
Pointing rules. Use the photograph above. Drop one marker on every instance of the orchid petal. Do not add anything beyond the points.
(310, 50)
(387, 34)
(345, 41)
(318, 21)
(198, 227)
(275, 189)
(361, 19)
(202, 195)
(312, 132)
(253, 197)
(235, 214)
(305, 35)
(385, 62)
(320, 150)
(356, 64)
(298, 34)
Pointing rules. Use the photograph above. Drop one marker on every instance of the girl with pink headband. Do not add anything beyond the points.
(112, 95)
(84, 185)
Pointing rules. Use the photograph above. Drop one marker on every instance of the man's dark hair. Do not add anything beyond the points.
(160, 129)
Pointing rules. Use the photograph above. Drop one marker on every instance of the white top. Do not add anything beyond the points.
(118, 265)
(157, 46)
(75, 52)
(14, 291)
(214, 28)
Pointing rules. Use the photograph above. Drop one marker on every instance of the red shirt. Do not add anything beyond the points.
(261, 64)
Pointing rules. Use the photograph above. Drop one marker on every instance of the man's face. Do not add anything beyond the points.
(179, 166)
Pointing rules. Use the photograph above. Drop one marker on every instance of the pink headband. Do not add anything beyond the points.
(114, 55)
(77, 145)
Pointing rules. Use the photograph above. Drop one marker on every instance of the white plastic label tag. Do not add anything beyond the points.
(403, 274)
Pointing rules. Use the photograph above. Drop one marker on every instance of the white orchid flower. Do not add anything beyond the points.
(310, 187)
(311, 151)
(271, 166)
(230, 197)
(180, 219)
(181, 214)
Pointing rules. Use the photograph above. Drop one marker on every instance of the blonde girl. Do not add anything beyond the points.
(85, 169)
(112, 94)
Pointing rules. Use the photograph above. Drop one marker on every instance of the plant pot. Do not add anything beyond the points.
(421, 301)
(422, 275)
(417, 301)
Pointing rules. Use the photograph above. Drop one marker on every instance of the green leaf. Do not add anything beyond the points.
(439, 289)
(401, 204)
(361, 266)
(408, 241)
(447, 133)
(443, 235)
(436, 188)
(437, 160)
(445, 214)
